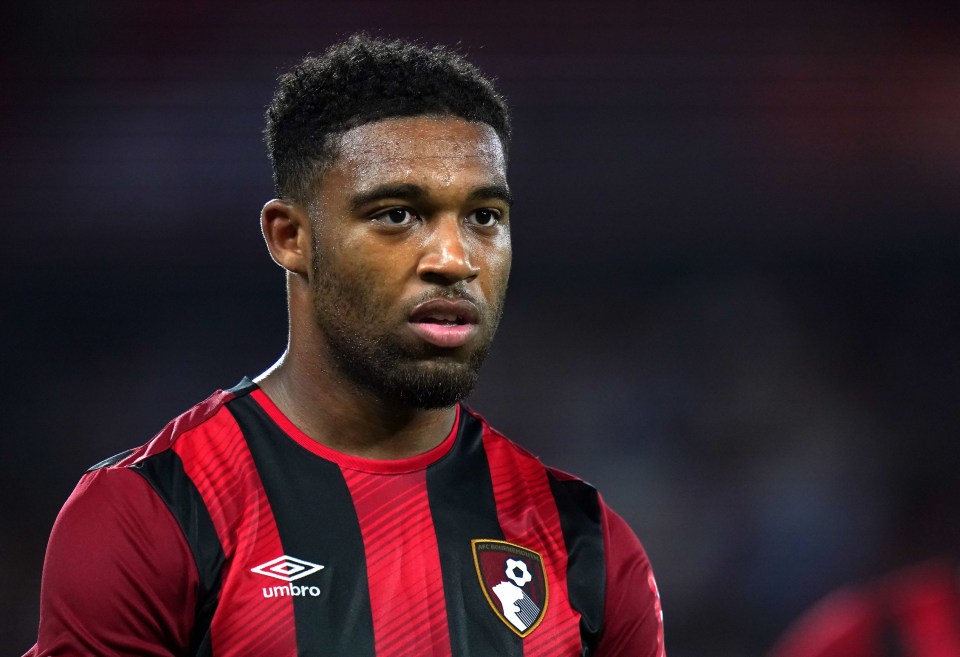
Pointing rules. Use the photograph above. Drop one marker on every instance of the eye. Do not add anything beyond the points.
(485, 217)
(396, 217)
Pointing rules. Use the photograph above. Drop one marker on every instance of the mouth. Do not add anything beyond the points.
(446, 323)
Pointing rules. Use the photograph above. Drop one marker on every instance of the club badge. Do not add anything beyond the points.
(514, 582)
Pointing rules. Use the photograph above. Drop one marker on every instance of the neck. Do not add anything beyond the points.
(345, 417)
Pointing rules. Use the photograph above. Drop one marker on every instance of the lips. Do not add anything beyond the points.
(447, 323)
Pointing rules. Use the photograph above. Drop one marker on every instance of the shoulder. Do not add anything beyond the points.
(161, 479)
(111, 510)
(121, 505)
(120, 575)
(495, 440)
(574, 496)
(117, 496)
(205, 415)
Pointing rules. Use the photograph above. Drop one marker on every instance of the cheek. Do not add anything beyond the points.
(382, 282)
(501, 257)
(498, 263)
(348, 285)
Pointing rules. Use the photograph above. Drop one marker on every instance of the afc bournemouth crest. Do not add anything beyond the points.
(514, 582)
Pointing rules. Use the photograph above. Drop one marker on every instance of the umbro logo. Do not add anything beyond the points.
(288, 569)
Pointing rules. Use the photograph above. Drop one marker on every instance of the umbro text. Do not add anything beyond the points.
(291, 590)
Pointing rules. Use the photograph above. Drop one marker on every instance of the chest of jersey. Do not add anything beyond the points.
(463, 557)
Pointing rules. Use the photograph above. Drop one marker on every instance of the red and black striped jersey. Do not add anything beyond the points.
(232, 533)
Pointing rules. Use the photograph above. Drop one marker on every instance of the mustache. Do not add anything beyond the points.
(456, 292)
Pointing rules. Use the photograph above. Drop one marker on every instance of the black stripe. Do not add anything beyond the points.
(579, 506)
(316, 520)
(165, 473)
(463, 508)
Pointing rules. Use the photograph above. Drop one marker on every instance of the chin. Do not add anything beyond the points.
(414, 376)
(429, 385)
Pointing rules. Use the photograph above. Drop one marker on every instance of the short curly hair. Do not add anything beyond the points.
(361, 80)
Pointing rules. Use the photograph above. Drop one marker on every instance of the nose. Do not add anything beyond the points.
(446, 256)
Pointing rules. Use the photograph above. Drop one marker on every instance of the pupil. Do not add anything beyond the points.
(397, 215)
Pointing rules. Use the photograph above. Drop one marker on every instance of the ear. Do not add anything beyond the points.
(286, 230)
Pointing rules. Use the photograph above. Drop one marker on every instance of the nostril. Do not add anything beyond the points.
(443, 278)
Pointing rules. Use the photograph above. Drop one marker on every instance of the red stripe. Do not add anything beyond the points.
(529, 518)
(403, 563)
(217, 460)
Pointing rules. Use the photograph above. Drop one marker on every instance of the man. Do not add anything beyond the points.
(344, 503)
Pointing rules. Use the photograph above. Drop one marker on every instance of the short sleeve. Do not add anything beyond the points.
(633, 617)
(118, 576)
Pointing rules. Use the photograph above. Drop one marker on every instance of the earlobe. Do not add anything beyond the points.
(286, 230)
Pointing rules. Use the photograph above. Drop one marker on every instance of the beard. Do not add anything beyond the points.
(367, 352)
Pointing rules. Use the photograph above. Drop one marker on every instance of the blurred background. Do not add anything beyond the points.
(734, 306)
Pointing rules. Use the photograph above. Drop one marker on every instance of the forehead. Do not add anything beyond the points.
(432, 151)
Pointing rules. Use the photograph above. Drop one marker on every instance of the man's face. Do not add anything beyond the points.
(411, 256)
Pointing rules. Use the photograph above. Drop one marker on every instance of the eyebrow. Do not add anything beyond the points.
(492, 191)
(407, 191)
(400, 190)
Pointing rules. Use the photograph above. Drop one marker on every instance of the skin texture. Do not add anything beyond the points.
(411, 210)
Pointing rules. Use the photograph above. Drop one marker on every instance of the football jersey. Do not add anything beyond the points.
(233, 533)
